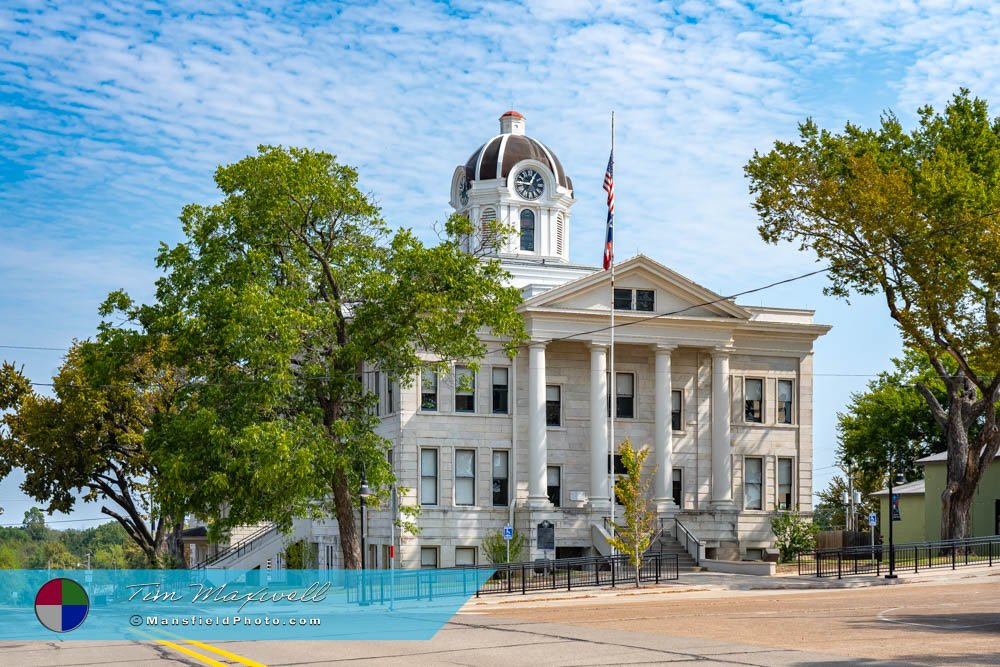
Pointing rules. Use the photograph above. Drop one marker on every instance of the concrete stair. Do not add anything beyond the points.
(666, 544)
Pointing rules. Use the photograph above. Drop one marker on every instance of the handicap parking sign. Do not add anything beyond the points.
(508, 533)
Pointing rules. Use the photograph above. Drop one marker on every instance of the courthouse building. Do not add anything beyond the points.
(721, 393)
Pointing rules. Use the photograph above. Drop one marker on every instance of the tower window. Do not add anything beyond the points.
(528, 230)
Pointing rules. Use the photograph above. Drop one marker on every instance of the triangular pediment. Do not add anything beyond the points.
(673, 292)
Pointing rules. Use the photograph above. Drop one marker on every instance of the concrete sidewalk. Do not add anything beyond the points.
(713, 584)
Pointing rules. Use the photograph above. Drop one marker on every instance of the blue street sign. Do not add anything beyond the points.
(508, 533)
(872, 519)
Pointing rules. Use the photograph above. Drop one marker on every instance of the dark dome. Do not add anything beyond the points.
(508, 149)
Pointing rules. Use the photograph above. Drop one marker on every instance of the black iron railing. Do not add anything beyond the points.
(915, 556)
(379, 586)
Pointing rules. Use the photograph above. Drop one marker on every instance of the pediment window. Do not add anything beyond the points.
(642, 300)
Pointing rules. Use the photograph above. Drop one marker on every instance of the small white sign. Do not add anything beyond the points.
(508, 533)
(872, 519)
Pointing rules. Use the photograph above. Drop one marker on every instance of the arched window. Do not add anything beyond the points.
(528, 230)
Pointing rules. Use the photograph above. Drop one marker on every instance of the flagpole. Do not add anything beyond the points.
(611, 363)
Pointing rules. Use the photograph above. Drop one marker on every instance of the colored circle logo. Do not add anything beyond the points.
(61, 605)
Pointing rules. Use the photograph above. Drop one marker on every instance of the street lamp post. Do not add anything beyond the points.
(898, 478)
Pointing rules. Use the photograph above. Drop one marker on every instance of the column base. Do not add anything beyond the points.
(602, 505)
(538, 503)
(665, 505)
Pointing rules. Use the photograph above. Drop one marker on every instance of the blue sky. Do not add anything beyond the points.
(115, 114)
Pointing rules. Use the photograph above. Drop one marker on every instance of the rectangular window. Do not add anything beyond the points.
(623, 299)
(465, 556)
(625, 390)
(619, 466)
(784, 401)
(465, 389)
(641, 299)
(677, 488)
(501, 476)
(465, 477)
(377, 387)
(390, 396)
(553, 405)
(644, 300)
(753, 390)
(553, 481)
(753, 483)
(675, 410)
(501, 390)
(428, 391)
(428, 558)
(784, 484)
(428, 477)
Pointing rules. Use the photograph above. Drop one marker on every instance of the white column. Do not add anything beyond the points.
(599, 427)
(722, 463)
(537, 446)
(663, 451)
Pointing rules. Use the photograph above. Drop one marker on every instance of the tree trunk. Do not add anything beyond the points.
(349, 545)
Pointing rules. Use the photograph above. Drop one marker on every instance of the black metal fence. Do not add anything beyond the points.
(913, 557)
(379, 586)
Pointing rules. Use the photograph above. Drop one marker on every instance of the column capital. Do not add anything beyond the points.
(537, 344)
(667, 348)
(598, 344)
(722, 351)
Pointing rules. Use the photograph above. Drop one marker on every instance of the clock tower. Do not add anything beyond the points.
(519, 182)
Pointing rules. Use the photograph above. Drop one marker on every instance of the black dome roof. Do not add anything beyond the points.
(503, 151)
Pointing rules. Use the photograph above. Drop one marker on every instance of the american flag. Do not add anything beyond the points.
(609, 187)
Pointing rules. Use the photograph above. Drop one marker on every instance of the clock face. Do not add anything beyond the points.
(529, 184)
(463, 189)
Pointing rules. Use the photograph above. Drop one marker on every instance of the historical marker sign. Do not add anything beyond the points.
(546, 536)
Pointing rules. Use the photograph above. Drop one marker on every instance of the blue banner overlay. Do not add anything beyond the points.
(232, 604)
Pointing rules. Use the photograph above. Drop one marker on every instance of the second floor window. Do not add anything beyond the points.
(528, 230)
(754, 400)
(428, 477)
(625, 395)
(428, 391)
(553, 405)
(784, 401)
(465, 477)
(675, 410)
(501, 475)
(465, 389)
(501, 391)
(554, 485)
(677, 487)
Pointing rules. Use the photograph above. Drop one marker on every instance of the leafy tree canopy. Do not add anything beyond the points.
(279, 303)
(915, 217)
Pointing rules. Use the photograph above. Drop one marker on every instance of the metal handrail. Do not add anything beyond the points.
(689, 538)
(237, 549)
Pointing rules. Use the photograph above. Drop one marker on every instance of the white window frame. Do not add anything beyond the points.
(493, 477)
(746, 482)
(680, 410)
(558, 388)
(427, 550)
(780, 500)
(424, 375)
(635, 410)
(457, 478)
(493, 390)
(467, 550)
(436, 476)
(558, 470)
(790, 416)
(746, 418)
(468, 372)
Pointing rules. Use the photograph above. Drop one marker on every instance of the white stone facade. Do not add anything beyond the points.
(730, 364)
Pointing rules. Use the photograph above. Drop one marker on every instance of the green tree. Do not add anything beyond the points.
(279, 304)
(793, 534)
(34, 524)
(634, 536)
(914, 217)
(9, 558)
(495, 547)
(90, 435)
(53, 554)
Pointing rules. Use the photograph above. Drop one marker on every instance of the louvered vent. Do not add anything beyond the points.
(560, 235)
(487, 227)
